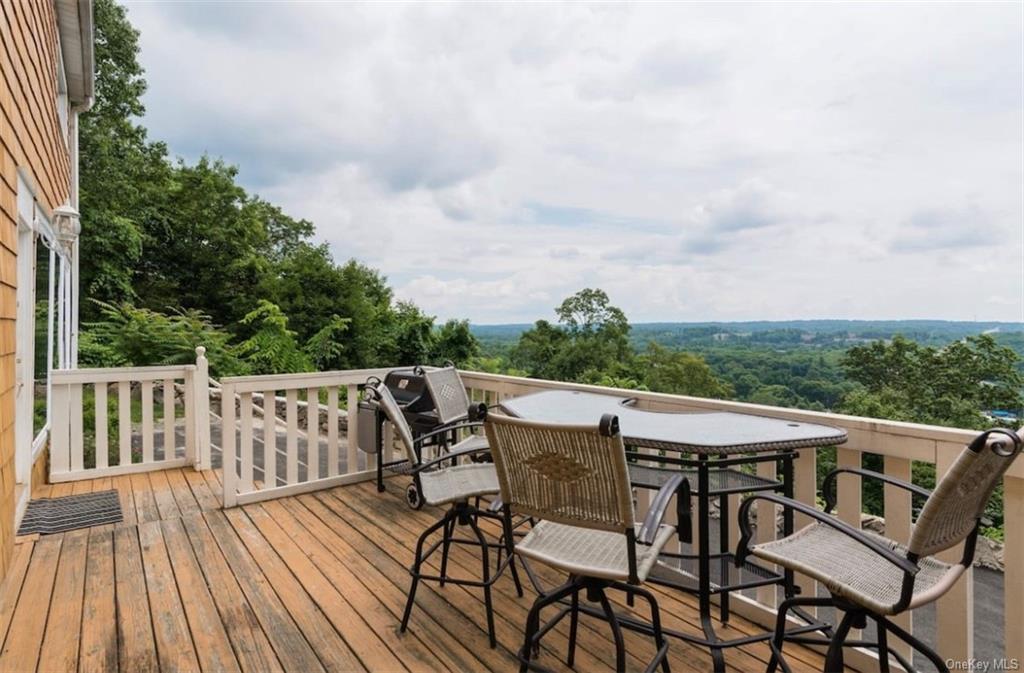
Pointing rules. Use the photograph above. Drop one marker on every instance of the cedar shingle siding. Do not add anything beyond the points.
(31, 140)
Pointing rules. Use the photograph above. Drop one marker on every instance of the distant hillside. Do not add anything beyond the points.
(787, 333)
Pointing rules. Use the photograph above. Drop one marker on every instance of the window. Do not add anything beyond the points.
(43, 343)
(43, 269)
(62, 97)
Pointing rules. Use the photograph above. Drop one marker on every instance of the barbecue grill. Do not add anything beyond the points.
(429, 400)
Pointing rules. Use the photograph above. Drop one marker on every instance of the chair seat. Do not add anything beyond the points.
(462, 482)
(591, 553)
(853, 571)
(473, 442)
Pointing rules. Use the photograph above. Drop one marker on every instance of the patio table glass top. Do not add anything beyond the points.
(716, 433)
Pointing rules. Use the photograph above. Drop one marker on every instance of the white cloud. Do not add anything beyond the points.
(697, 161)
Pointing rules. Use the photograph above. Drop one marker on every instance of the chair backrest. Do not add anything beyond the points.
(570, 474)
(448, 392)
(381, 395)
(952, 511)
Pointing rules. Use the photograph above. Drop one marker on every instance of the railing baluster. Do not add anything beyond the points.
(849, 495)
(245, 443)
(60, 435)
(124, 422)
(898, 508)
(805, 489)
(189, 386)
(100, 401)
(170, 444)
(332, 431)
(292, 422)
(227, 445)
(954, 633)
(147, 421)
(76, 428)
(312, 434)
(269, 438)
(1013, 561)
(767, 530)
(352, 433)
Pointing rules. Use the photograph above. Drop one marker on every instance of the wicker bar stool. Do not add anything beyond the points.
(873, 577)
(443, 482)
(572, 480)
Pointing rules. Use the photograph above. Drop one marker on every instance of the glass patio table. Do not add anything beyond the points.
(707, 448)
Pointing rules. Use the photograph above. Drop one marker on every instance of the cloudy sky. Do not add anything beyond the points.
(697, 161)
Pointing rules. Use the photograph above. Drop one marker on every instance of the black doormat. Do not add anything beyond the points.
(56, 515)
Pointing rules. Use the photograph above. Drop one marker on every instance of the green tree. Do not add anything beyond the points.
(324, 348)
(454, 341)
(951, 386)
(591, 341)
(680, 373)
(409, 336)
(126, 336)
(123, 176)
(271, 347)
(537, 348)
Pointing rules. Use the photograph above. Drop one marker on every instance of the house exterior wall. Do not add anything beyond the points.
(33, 142)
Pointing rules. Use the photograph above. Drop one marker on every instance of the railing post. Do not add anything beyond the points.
(201, 402)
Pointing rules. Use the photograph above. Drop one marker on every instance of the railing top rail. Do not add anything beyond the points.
(114, 374)
(259, 383)
(900, 431)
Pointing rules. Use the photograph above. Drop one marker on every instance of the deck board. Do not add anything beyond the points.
(136, 643)
(64, 624)
(306, 583)
(28, 624)
(98, 649)
(175, 649)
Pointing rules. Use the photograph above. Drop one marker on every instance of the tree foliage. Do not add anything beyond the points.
(590, 344)
(169, 241)
(126, 336)
(953, 385)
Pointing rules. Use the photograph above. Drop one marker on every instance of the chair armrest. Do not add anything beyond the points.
(447, 428)
(746, 532)
(453, 455)
(829, 491)
(677, 484)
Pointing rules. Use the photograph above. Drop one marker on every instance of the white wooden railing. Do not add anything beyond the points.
(274, 456)
(270, 451)
(162, 420)
(900, 444)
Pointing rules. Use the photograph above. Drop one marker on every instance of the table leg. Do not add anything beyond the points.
(704, 563)
(724, 562)
(787, 516)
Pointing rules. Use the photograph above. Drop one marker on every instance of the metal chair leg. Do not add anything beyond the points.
(486, 565)
(916, 643)
(533, 619)
(834, 656)
(446, 545)
(613, 621)
(883, 647)
(659, 636)
(509, 547)
(574, 618)
(415, 572)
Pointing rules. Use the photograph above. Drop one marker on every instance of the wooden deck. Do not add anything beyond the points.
(307, 583)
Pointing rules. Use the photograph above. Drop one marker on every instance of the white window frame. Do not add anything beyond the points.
(34, 229)
(63, 103)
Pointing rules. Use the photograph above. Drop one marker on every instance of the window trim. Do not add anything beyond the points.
(34, 228)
